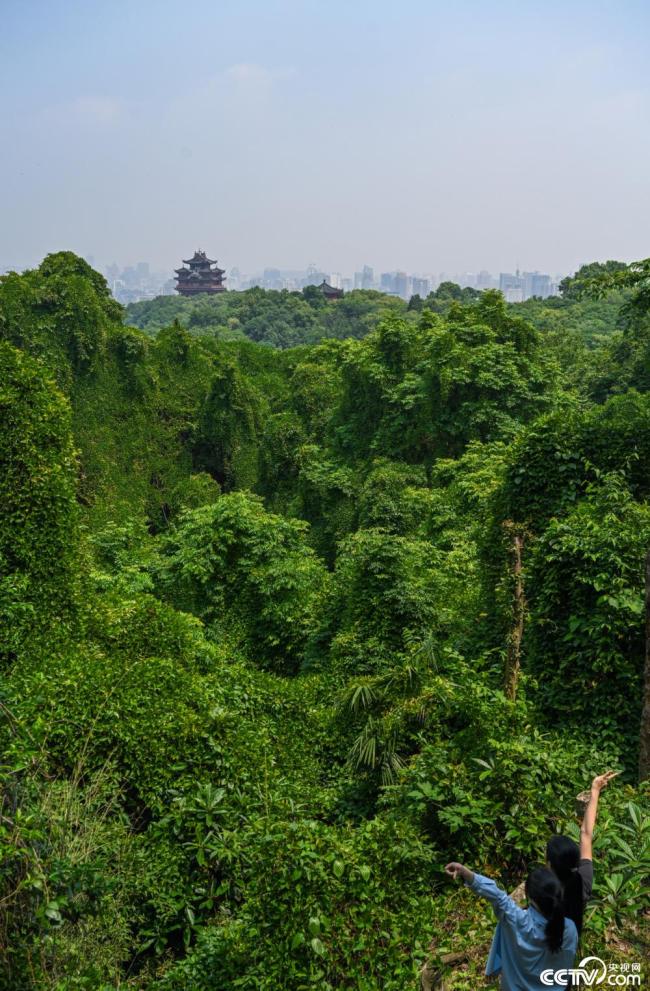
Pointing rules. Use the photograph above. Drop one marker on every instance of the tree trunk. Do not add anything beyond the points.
(644, 736)
(513, 654)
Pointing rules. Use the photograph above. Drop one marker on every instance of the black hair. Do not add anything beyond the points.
(543, 888)
(563, 855)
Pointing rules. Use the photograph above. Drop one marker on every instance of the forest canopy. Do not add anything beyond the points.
(269, 657)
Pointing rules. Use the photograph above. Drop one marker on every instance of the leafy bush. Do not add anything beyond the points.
(38, 519)
(248, 574)
(586, 609)
(319, 904)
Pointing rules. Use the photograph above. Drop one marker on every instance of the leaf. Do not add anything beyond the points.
(52, 912)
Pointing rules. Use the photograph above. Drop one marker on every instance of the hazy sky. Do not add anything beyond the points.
(426, 136)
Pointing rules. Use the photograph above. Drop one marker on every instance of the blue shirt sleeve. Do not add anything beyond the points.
(503, 905)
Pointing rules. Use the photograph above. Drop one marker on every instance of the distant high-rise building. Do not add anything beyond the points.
(509, 281)
(365, 279)
(537, 284)
(313, 277)
(387, 282)
(272, 278)
(421, 287)
(484, 280)
(402, 284)
(523, 285)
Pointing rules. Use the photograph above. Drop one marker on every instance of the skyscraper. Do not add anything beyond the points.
(512, 286)
(537, 284)
(484, 280)
(401, 284)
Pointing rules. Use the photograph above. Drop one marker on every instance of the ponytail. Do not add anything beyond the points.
(555, 928)
(544, 889)
(563, 856)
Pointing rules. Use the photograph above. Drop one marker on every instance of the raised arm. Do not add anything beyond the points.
(589, 820)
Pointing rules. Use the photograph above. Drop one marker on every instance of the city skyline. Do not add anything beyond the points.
(139, 281)
(103, 264)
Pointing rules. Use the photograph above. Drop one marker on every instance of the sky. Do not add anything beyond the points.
(415, 135)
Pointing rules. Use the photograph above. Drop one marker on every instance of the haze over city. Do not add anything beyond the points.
(423, 137)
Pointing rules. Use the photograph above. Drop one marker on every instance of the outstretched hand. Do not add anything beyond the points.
(602, 780)
(459, 872)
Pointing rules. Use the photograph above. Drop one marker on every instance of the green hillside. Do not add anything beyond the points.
(260, 675)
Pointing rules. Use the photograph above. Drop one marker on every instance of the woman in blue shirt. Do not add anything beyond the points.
(528, 941)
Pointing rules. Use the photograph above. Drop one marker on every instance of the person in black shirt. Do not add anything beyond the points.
(572, 864)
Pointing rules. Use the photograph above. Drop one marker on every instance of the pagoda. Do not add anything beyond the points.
(330, 292)
(200, 276)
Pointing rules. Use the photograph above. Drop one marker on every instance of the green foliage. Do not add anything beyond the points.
(474, 784)
(359, 313)
(326, 498)
(315, 390)
(386, 592)
(422, 393)
(573, 286)
(227, 430)
(587, 612)
(396, 498)
(448, 293)
(65, 881)
(622, 859)
(282, 319)
(38, 534)
(248, 574)
(578, 443)
(253, 673)
(60, 311)
(320, 903)
(574, 320)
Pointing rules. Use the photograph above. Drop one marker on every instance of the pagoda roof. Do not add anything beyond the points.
(185, 273)
(200, 256)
